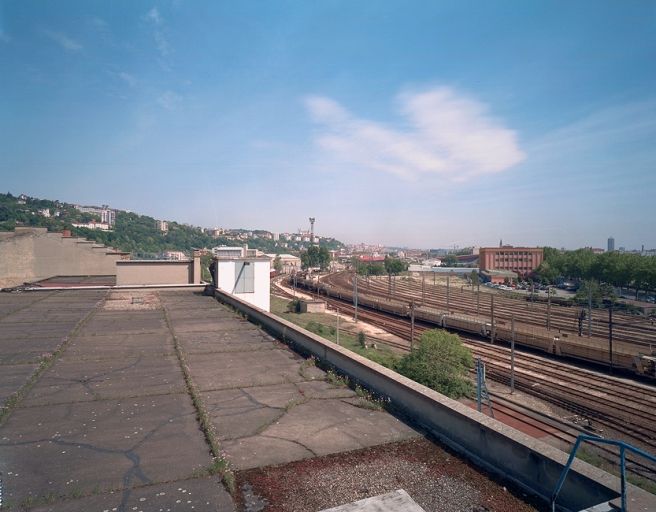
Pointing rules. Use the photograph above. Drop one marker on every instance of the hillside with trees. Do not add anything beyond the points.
(134, 233)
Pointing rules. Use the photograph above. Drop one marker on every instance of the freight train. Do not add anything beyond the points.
(626, 356)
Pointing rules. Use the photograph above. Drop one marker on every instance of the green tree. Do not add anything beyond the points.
(475, 279)
(277, 264)
(450, 260)
(315, 257)
(394, 266)
(441, 362)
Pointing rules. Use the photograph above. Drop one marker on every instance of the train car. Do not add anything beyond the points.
(471, 325)
(625, 356)
(645, 364)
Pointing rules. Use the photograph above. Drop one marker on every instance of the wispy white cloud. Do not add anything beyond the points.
(445, 133)
(154, 16)
(127, 78)
(169, 100)
(161, 41)
(603, 130)
(62, 40)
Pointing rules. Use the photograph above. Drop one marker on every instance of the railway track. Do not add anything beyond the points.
(627, 328)
(615, 405)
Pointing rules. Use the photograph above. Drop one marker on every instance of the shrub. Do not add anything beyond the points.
(441, 362)
(362, 340)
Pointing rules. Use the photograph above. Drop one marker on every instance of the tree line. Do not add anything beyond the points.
(624, 270)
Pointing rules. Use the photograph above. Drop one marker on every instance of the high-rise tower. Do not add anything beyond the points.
(311, 230)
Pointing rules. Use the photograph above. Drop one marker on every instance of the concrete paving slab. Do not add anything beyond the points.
(77, 381)
(225, 341)
(118, 346)
(102, 445)
(244, 412)
(261, 451)
(212, 325)
(47, 316)
(331, 426)
(126, 323)
(244, 369)
(22, 330)
(235, 413)
(197, 495)
(13, 377)
(28, 349)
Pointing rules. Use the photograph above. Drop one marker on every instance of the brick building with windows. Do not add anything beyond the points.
(522, 260)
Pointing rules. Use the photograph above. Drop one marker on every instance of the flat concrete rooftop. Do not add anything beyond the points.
(98, 415)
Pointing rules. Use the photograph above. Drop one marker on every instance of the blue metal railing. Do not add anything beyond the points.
(594, 439)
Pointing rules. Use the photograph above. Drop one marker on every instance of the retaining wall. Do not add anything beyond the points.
(499, 449)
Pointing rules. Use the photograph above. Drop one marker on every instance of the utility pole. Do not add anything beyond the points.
(355, 295)
(412, 325)
(423, 287)
(590, 308)
(448, 306)
(512, 355)
(478, 298)
(492, 333)
(610, 336)
(338, 326)
(548, 308)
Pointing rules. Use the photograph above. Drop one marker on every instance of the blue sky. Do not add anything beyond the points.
(420, 123)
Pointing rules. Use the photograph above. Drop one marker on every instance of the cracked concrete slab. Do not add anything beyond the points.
(103, 445)
(77, 381)
(244, 412)
(109, 346)
(315, 428)
(271, 406)
(225, 341)
(121, 322)
(13, 378)
(244, 369)
(26, 350)
(197, 495)
(25, 331)
(78, 440)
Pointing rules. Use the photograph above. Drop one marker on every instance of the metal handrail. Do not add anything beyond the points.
(594, 439)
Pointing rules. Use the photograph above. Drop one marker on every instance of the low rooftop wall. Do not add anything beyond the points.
(529, 463)
(153, 272)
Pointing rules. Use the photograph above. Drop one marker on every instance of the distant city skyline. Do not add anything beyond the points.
(402, 123)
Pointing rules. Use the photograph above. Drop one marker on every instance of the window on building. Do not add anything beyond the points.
(244, 277)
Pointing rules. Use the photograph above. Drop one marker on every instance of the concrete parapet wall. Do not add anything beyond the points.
(141, 272)
(34, 254)
(529, 463)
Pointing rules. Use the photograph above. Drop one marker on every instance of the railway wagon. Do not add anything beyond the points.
(544, 342)
(627, 358)
(589, 350)
(470, 325)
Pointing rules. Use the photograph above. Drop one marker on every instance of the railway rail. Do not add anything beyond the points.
(610, 404)
(607, 404)
(628, 328)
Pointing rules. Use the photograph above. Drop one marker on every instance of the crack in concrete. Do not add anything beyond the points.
(293, 441)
